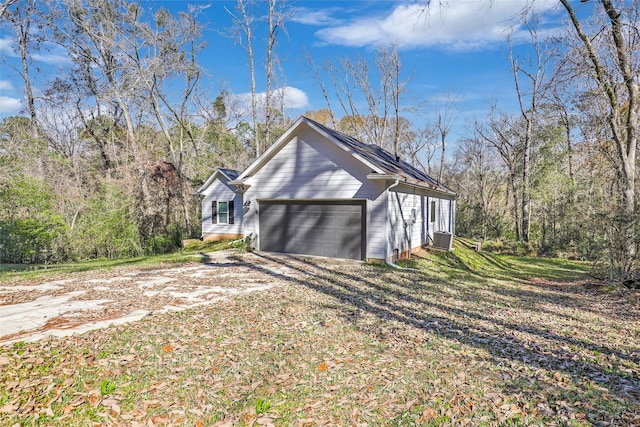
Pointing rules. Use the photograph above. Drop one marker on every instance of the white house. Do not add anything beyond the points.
(221, 206)
(317, 191)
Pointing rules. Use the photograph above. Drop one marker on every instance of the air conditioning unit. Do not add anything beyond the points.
(442, 240)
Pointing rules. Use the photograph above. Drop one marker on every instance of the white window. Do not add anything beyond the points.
(222, 212)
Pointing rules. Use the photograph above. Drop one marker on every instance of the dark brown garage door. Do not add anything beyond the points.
(325, 228)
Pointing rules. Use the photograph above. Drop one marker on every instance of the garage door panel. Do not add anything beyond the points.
(325, 228)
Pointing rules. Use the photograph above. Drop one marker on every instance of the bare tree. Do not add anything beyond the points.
(245, 21)
(4, 6)
(99, 39)
(276, 17)
(533, 70)
(244, 37)
(610, 62)
(502, 133)
(21, 17)
(174, 55)
(484, 176)
(446, 113)
(317, 73)
(369, 97)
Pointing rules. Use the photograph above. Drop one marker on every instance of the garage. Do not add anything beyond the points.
(331, 228)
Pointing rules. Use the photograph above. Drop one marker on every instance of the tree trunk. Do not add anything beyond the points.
(516, 208)
(21, 21)
(624, 126)
(526, 172)
(443, 136)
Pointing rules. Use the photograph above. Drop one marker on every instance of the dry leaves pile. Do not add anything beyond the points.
(346, 345)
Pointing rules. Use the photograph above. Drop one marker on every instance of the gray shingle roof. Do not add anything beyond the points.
(382, 158)
(231, 173)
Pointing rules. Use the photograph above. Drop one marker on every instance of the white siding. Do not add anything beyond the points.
(402, 234)
(401, 202)
(376, 220)
(442, 216)
(310, 167)
(219, 190)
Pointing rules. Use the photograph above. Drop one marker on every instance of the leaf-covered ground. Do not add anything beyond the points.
(468, 339)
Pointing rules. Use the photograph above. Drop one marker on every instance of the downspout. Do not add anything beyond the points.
(388, 260)
(451, 216)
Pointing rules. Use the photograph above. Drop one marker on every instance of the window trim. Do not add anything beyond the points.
(224, 211)
(217, 211)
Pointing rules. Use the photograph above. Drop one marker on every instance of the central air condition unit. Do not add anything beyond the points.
(442, 240)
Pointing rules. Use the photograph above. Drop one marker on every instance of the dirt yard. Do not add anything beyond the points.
(466, 338)
(92, 300)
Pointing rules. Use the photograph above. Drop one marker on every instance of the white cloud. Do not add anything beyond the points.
(6, 45)
(306, 16)
(6, 85)
(293, 98)
(9, 105)
(461, 24)
(50, 53)
(51, 58)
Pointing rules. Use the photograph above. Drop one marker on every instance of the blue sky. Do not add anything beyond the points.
(458, 48)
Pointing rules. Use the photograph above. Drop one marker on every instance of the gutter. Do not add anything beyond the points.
(432, 189)
(387, 258)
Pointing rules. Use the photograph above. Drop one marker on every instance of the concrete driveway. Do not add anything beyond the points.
(91, 300)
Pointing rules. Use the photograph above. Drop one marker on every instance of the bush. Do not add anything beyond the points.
(106, 228)
(160, 244)
(30, 231)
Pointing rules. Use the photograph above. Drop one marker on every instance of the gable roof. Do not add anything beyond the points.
(382, 163)
(382, 158)
(230, 174)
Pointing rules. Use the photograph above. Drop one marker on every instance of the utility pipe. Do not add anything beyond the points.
(388, 262)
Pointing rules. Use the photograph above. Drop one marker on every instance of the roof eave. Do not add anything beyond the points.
(212, 178)
(385, 177)
(209, 180)
(404, 180)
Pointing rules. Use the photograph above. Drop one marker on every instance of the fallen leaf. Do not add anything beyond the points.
(265, 421)
(427, 415)
(116, 408)
(323, 367)
(8, 409)
(411, 403)
(167, 348)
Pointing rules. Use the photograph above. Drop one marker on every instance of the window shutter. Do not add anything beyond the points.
(214, 212)
(433, 211)
(231, 211)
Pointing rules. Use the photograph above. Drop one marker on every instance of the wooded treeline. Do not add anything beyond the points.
(105, 159)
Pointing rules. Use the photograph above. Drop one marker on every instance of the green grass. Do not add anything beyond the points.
(193, 247)
(466, 262)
